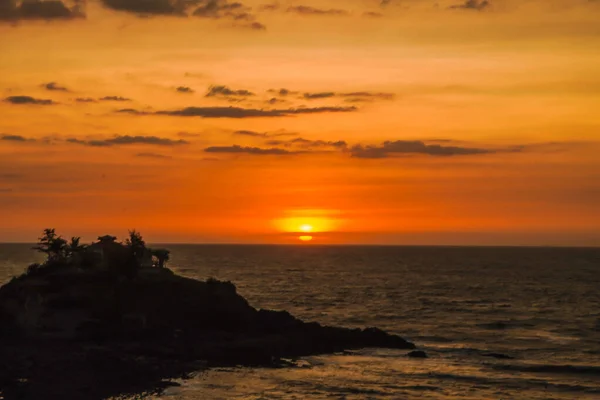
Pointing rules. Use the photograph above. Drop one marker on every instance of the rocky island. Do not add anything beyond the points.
(110, 320)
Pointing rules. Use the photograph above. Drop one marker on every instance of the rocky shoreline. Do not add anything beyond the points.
(69, 333)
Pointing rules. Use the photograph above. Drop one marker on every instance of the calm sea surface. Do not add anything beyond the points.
(540, 306)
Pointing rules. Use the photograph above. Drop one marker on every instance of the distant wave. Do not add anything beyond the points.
(551, 369)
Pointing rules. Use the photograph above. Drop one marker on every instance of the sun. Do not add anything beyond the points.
(306, 228)
(305, 238)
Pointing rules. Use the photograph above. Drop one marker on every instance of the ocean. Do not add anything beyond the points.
(497, 323)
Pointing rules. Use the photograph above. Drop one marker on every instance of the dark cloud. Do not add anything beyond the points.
(153, 155)
(269, 7)
(281, 92)
(257, 26)
(307, 10)
(11, 10)
(320, 95)
(214, 9)
(132, 111)
(219, 9)
(372, 14)
(398, 147)
(378, 95)
(114, 98)
(28, 100)
(223, 9)
(220, 90)
(307, 143)
(251, 133)
(85, 100)
(275, 100)
(148, 7)
(357, 95)
(55, 86)
(127, 140)
(472, 5)
(184, 89)
(237, 149)
(263, 134)
(14, 138)
(238, 112)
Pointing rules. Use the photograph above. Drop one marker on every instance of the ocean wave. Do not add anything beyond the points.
(550, 369)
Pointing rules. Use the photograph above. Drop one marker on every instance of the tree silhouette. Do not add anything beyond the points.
(136, 243)
(73, 247)
(52, 244)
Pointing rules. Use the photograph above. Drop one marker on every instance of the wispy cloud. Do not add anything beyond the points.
(307, 143)
(477, 5)
(11, 11)
(238, 112)
(184, 89)
(237, 149)
(128, 140)
(153, 155)
(404, 147)
(28, 100)
(225, 91)
(14, 138)
(114, 98)
(308, 10)
(53, 86)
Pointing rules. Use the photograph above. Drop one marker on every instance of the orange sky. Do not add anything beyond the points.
(401, 122)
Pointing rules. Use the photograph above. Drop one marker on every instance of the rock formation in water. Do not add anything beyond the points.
(73, 332)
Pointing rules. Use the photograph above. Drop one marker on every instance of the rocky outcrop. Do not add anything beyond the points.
(134, 333)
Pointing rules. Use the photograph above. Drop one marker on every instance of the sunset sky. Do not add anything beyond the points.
(391, 122)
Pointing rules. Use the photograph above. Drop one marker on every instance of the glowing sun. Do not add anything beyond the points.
(306, 228)
(305, 238)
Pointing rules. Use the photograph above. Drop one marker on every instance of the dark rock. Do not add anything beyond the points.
(417, 354)
(67, 329)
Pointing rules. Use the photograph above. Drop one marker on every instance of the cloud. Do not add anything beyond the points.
(250, 133)
(14, 138)
(218, 9)
(307, 143)
(114, 98)
(307, 10)
(152, 7)
(28, 100)
(85, 100)
(269, 7)
(358, 95)
(184, 89)
(235, 11)
(11, 10)
(372, 14)
(238, 112)
(132, 111)
(237, 149)
(398, 147)
(153, 155)
(129, 140)
(320, 95)
(226, 91)
(257, 26)
(378, 95)
(283, 92)
(472, 5)
(55, 87)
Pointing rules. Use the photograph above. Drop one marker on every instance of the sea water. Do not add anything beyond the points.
(497, 323)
